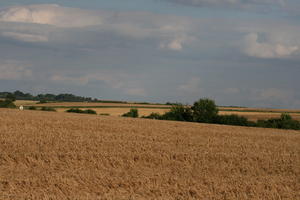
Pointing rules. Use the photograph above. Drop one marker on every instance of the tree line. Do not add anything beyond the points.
(206, 111)
(46, 97)
(202, 111)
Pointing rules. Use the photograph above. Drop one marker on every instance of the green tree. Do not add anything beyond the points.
(10, 97)
(179, 112)
(205, 110)
(8, 102)
(132, 113)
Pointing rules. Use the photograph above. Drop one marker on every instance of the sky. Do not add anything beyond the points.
(237, 52)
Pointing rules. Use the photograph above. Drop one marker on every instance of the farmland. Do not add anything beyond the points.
(62, 155)
(254, 116)
(117, 109)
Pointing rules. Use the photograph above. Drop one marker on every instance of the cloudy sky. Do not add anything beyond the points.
(238, 52)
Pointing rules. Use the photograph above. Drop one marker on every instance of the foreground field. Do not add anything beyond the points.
(73, 156)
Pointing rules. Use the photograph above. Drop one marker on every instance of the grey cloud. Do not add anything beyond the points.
(14, 70)
(21, 23)
(143, 28)
(25, 37)
(128, 34)
(127, 56)
(256, 5)
(275, 96)
(50, 14)
(192, 86)
(115, 80)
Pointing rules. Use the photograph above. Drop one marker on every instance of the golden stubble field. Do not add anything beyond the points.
(73, 156)
(91, 104)
(118, 109)
(121, 111)
(254, 116)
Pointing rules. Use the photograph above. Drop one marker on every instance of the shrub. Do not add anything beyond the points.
(42, 101)
(284, 122)
(173, 104)
(179, 113)
(89, 111)
(32, 108)
(7, 104)
(132, 113)
(10, 97)
(205, 110)
(154, 116)
(232, 120)
(76, 110)
(104, 114)
(48, 109)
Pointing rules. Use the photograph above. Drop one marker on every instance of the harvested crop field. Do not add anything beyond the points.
(270, 110)
(73, 156)
(121, 111)
(118, 109)
(25, 102)
(254, 116)
(95, 105)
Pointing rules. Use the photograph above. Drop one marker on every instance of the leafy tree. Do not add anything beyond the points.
(179, 113)
(76, 110)
(154, 116)
(132, 113)
(48, 109)
(205, 110)
(284, 122)
(42, 101)
(10, 97)
(232, 120)
(90, 111)
(7, 104)
(32, 108)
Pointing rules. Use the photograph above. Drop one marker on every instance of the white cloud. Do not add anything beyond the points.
(13, 70)
(25, 37)
(175, 45)
(30, 24)
(267, 50)
(50, 14)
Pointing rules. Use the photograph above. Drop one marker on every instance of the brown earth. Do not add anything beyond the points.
(73, 156)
